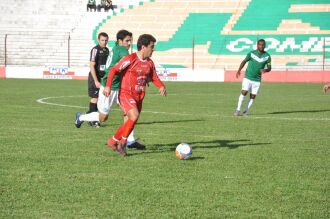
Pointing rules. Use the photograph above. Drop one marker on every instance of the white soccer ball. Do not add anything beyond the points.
(183, 151)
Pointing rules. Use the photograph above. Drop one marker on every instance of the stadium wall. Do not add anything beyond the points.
(81, 73)
(2, 72)
(47, 72)
(167, 74)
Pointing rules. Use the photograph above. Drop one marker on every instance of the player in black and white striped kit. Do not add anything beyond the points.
(97, 64)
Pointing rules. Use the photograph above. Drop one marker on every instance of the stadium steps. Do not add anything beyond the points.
(38, 34)
(172, 23)
(276, 11)
(310, 63)
(163, 18)
(202, 27)
(35, 32)
(46, 27)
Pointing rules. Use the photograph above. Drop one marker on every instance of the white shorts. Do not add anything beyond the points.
(251, 86)
(104, 104)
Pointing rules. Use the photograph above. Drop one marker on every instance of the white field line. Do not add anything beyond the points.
(44, 101)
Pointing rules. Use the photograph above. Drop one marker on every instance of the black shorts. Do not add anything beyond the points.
(93, 91)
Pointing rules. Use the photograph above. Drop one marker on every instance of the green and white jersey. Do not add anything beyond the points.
(257, 62)
(115, 55)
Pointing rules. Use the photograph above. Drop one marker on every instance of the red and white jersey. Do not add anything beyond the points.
(135, 75)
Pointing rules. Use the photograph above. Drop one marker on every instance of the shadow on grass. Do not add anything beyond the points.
(153, 122)
(196, 158)
(300, 111)
(161, 148)
(231, 144)
(170, 121)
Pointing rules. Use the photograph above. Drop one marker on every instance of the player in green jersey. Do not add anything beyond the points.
(258, 60)
(104, 104)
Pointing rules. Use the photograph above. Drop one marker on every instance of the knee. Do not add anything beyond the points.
(244, 92)
(253, 96)
(93, 100)
(134, 116)
(103, 119)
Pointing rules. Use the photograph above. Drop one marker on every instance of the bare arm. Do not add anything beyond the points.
(240, 68)
(155, 79)
(111, 75)
(326, 88)
(92, 69)
(162, 91)
(266, 70)
(268, 65)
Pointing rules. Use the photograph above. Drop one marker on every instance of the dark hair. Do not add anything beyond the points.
(102, 34)
(145, 40)
(122, 34)
(262, 40)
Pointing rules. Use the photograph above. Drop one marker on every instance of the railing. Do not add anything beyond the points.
(5, 50)
(65, 53)
(35, 48)
(69, 39)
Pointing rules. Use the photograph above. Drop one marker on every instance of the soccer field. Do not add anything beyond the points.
(272, 164)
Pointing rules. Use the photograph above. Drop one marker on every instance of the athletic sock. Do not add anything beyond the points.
(90, 117)
(124, 130)
(129, 126)
(248, 105)
(119, 132)
(240, 102)
(92, 107)
(131, 139)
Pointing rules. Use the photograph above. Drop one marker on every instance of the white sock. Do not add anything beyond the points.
(240, 102)
(90, 117)
(248, 105)
(131, 139)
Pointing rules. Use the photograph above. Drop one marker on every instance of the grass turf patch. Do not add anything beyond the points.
(273, 163)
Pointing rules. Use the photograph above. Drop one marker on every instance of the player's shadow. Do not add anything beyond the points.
(196, 158)
(231, 144)
(221, 143)
(170, 121)
(157, 122)
(301, 111)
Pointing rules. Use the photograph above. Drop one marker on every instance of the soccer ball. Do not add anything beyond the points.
(183, 151)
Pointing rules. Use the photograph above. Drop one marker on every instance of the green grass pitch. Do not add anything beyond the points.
(275, 163)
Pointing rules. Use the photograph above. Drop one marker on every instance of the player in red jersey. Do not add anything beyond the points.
(136, 71)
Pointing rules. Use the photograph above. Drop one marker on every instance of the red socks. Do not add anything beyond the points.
(119, 132)
(129, 126)
(124, 130)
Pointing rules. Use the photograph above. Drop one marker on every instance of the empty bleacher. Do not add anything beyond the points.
(38, 31)
(39, 34)
(211, 25)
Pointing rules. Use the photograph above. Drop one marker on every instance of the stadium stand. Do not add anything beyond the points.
(221, 31)
(37, 34)
(216, 25)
